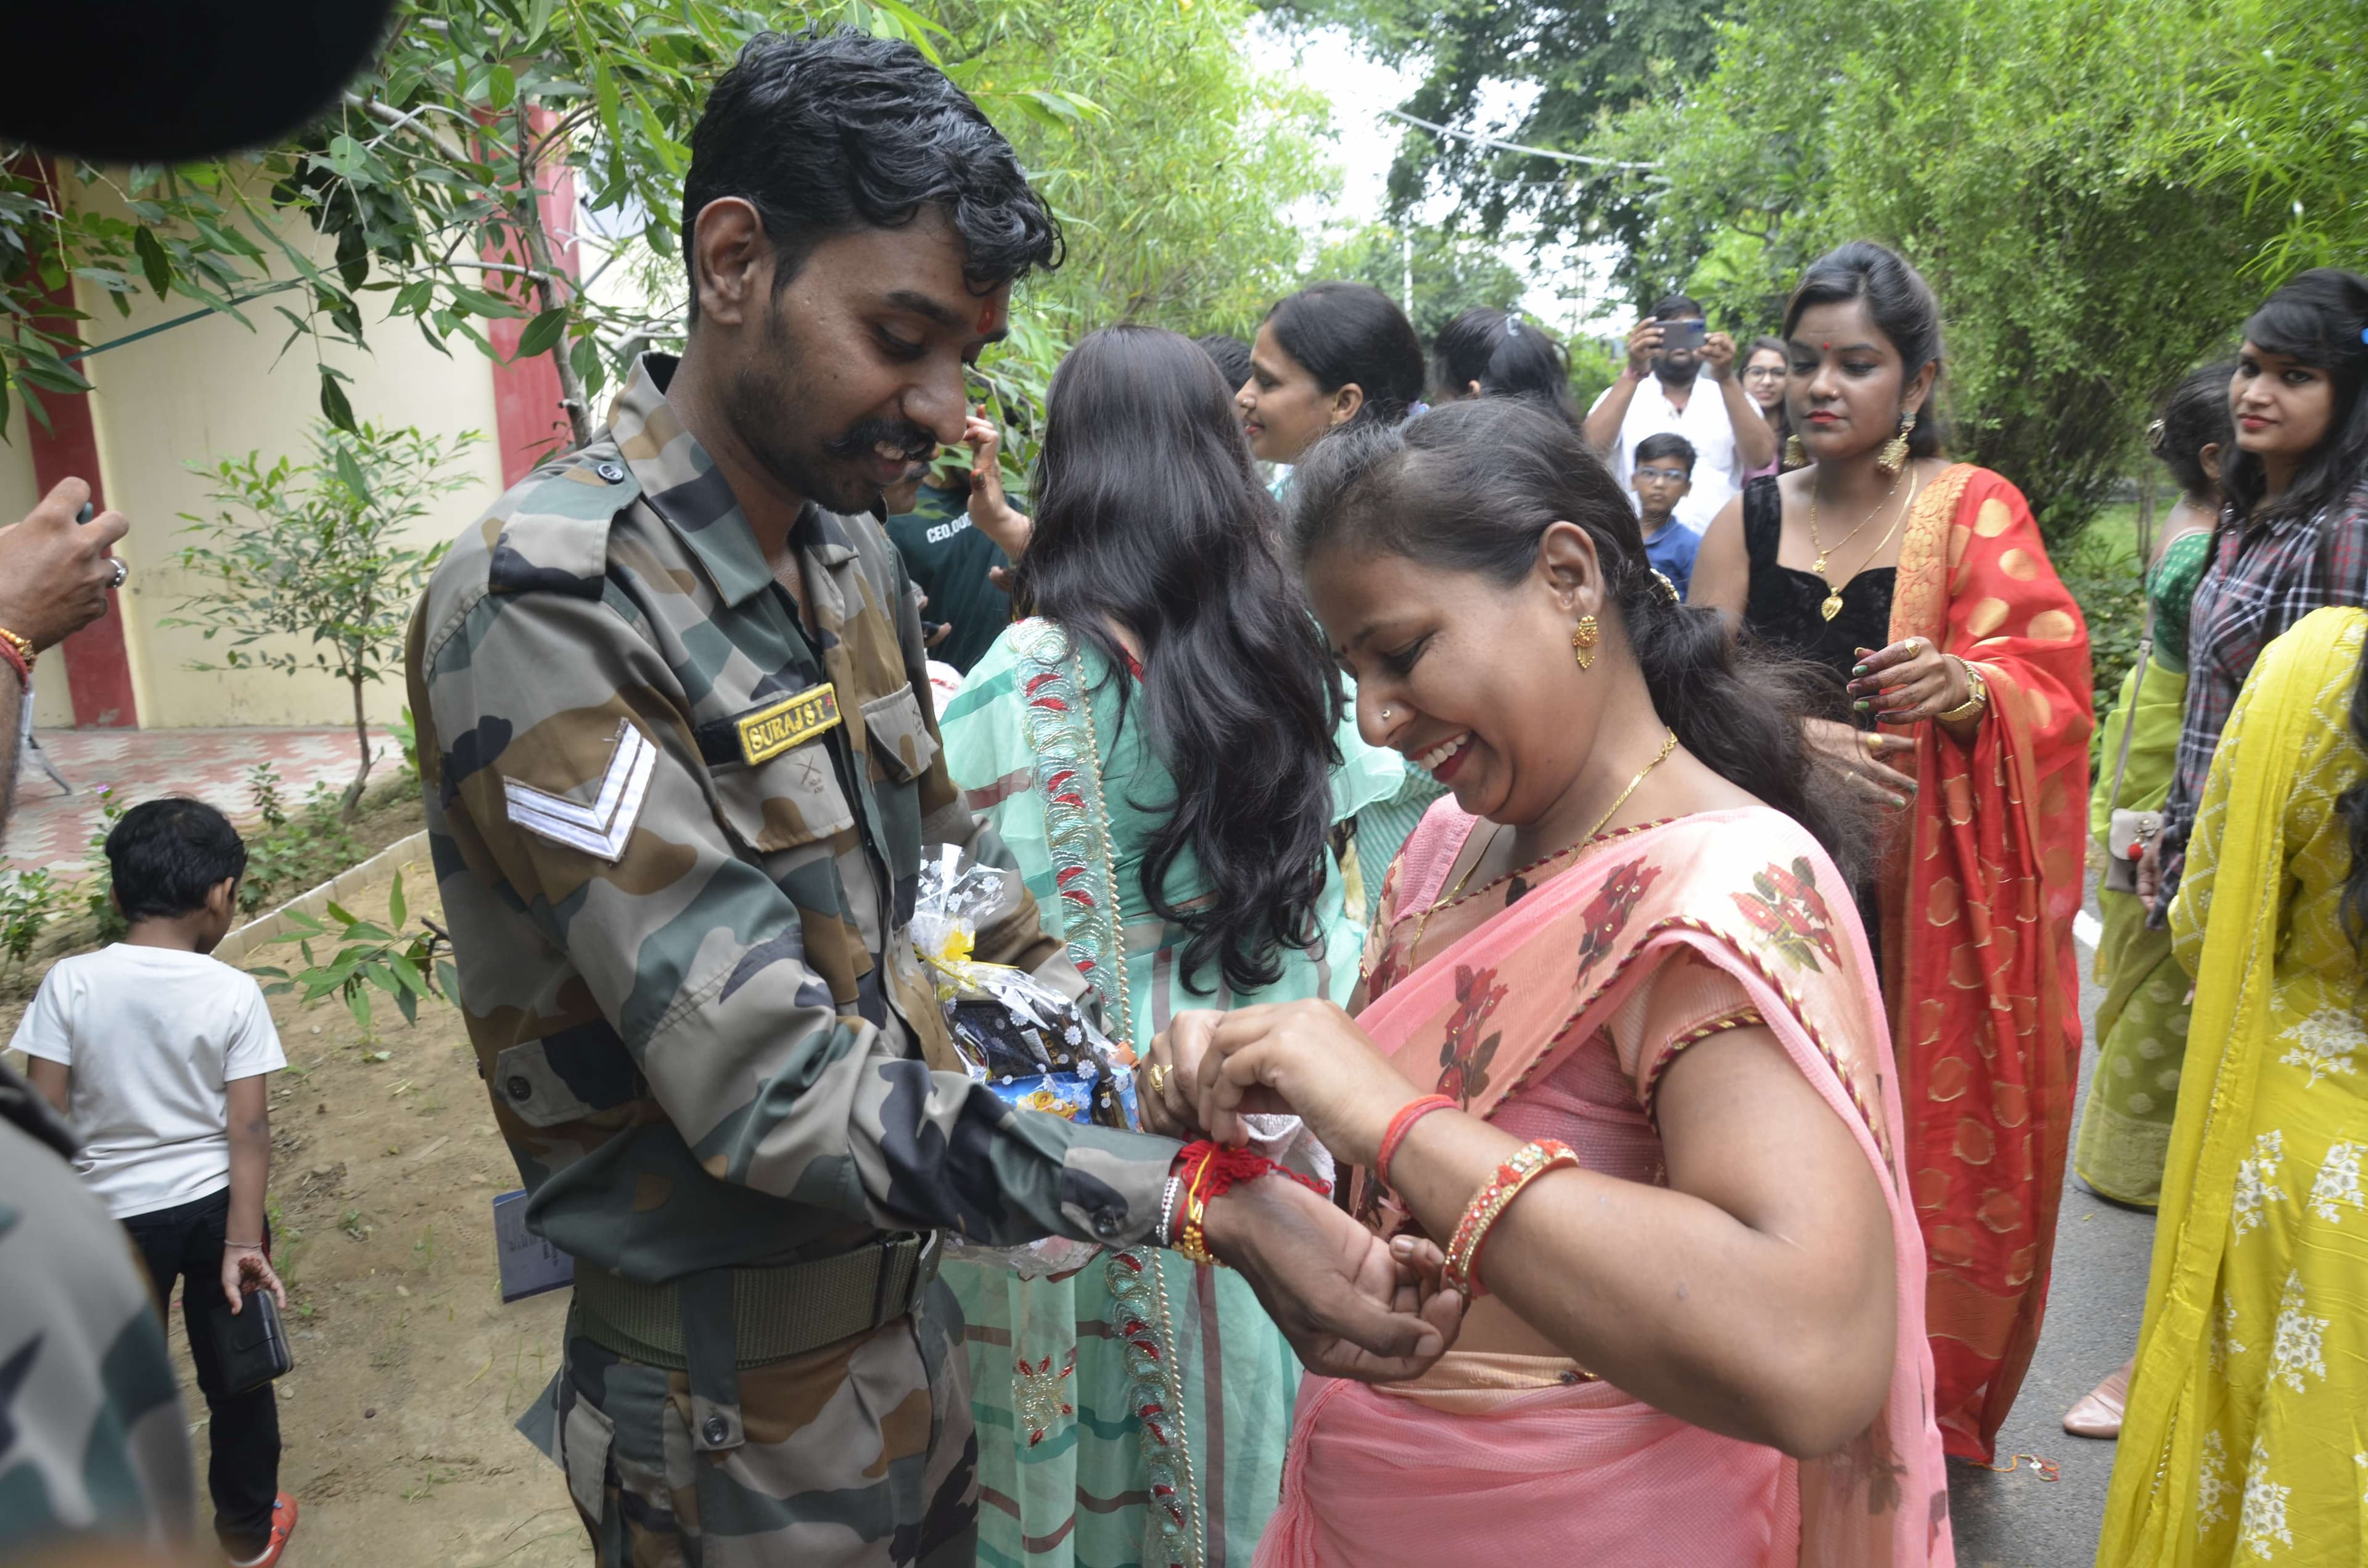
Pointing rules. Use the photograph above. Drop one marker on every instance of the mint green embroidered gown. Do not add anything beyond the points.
(1135, 1411)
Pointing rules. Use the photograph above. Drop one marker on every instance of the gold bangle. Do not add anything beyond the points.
(1976, 703)
(24, 646)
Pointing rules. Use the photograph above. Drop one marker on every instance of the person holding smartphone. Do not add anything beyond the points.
(1658, 394)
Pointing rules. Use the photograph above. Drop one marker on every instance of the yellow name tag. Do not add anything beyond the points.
(770, 732)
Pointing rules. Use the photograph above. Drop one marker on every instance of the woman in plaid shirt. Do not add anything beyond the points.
(2294, 536)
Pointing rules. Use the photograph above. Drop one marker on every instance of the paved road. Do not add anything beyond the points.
(2019, 1520)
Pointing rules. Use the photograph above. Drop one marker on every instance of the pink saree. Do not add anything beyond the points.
(1520, 1007)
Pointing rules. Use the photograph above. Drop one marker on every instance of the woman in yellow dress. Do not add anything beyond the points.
(2245, 1438)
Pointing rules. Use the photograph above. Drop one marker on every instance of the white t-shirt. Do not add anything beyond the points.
(1718, 470)
(152, 1037)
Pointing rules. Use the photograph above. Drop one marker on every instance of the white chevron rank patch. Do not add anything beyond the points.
(605, 826)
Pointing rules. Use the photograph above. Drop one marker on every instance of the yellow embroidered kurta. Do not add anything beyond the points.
(2247, 1439)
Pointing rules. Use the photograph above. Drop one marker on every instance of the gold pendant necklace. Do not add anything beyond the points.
(1422, 922)
(1832, 606)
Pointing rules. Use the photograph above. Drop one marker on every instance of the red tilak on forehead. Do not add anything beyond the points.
(988, 319)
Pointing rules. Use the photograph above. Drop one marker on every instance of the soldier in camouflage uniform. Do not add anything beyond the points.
(680, 762)
(92, 1440)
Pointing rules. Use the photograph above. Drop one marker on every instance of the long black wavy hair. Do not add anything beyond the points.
(1352, 332)
(1472, 486)
(1903, 306)
(1506, 355)
(1150, 515)
(2320, 318)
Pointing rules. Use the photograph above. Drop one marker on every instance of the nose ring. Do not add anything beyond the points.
(1385, 714)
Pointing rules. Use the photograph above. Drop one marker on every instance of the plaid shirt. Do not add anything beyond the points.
(2262, 581)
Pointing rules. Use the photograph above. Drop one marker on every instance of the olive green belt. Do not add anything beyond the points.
(776, 1312)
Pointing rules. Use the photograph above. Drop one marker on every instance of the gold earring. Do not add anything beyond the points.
(1583, 640)
(1894, 455)
(1795, 454)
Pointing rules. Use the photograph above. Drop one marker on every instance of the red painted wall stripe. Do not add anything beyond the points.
(530, 422)
(97, 664)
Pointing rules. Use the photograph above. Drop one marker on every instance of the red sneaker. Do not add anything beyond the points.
(283, 1525)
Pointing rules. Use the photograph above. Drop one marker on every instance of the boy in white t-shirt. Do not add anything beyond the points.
(160, 1058)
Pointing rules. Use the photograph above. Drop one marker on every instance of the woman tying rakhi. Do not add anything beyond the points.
(1970, 722)
(1620, 1050)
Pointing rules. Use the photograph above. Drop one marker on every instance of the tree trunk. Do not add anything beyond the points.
(527, 213)
(351, 806)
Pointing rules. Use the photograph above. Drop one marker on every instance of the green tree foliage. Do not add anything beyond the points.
(1571, 62)
(1174, 186)
(304, 566)
(2014, 151)
(1451, 273)
(2289, 124)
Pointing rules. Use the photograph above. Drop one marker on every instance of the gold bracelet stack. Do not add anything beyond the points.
(1528, 1162)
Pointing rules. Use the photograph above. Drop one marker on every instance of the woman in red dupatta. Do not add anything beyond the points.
(1972, 718)
(1619, 962)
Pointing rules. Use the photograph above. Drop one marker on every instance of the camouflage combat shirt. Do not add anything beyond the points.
(677, 838)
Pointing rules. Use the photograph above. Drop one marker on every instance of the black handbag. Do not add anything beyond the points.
(250, 1345)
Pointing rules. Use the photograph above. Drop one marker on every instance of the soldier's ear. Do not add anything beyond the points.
(732, 259)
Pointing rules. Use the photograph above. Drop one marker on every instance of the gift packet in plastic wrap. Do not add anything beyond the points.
(1032, 1047)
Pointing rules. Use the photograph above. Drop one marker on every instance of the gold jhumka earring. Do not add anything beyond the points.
(1795, 454)
(1583, 640)
(1894, 455)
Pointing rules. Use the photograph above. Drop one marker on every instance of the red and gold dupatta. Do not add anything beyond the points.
(1979, 973)
(1499, 1458)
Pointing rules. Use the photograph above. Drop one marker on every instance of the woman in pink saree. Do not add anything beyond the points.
(1623, 956)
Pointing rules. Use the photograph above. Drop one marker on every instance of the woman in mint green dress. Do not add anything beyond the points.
(1165, 747)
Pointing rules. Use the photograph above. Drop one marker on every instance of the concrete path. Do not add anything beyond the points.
(52, 830)
(2019, 1520)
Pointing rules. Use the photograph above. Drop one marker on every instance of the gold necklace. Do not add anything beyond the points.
(1832, 606)
(1422, 922)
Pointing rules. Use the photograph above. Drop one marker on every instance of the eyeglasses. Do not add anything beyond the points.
(1666, 475)
(1764, 373)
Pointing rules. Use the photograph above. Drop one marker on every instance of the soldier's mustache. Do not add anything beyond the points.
(870, 438)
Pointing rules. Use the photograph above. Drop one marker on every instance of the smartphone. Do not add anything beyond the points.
(1687, 333)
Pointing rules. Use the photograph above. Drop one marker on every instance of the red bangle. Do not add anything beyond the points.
(23, 665)
(1413, 1110)
(1528, 1162)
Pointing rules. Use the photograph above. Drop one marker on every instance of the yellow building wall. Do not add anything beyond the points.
(214, 388)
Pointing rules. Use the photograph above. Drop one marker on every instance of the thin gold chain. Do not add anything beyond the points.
(1815, 543)
(1422, 922)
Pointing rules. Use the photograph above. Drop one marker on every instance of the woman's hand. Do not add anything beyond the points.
(991, 512)
(1168, 1086)
(2149, 871)
(1908, 681)
(1859, 757)
(1305, 1058)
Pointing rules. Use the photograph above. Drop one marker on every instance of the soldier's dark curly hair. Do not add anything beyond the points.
(828, 132)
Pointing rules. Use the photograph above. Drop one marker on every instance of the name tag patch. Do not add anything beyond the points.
(793, 721)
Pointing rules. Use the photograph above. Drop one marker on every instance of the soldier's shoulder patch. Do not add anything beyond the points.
(554, 524)
(604, 825)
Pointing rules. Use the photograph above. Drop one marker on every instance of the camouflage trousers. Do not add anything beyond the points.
(859, 1455)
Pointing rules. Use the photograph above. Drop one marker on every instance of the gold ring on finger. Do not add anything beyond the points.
(1156, 1076)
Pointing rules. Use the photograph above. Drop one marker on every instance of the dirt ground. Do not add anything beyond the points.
(395, 1422)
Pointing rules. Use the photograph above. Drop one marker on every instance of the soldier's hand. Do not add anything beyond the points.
(1351, 1304)
(55, 573)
